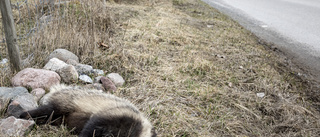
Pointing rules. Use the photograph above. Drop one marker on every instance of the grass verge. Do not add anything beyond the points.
(192, 70)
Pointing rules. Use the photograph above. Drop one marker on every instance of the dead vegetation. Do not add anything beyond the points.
(192, 70)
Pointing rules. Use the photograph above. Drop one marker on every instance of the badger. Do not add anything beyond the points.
(90, 112)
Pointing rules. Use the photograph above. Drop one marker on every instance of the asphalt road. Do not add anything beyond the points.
(292, 25)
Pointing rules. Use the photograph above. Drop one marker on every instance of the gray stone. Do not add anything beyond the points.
(97, 72)
(63, 55)
(38, 93)
(4, 65)
(36, 78)
(21, 103)
(83, 69)
(116, 79)
(7, 94)
(72, 62)
(85, 79)
(261, 95)
(108, 85)
(55, 64)
(68, 74)
(20, 99)
(4, 61)
(10, 93)
(15, 127)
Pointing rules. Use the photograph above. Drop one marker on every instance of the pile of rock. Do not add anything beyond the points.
(62, 67)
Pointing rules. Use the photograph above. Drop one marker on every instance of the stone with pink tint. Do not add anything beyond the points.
(36, 78)
(12, 126)
(108, 84)
(38, 93)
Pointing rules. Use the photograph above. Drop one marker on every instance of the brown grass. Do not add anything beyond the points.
(190, 69)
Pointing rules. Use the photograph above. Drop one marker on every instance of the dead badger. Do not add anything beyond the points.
(91, 112)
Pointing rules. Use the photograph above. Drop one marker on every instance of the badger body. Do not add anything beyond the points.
(91, 112)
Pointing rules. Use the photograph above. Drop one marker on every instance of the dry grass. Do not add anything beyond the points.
(190, 69)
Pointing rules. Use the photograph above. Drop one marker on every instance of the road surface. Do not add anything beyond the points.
(292, 25)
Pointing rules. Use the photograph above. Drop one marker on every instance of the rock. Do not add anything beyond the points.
(97, 72)
(20, 99)
(21, 103)
(209, 26)
(97, 86)
(72, 62)
(4, 62)
(36, 78)
(38, 93)
(116, 79)
(97, 79)
(55, 64)
(14, 109)
(4, 65)
(261, 95)
(68, 74)
(108, 85)
(10, 93)
(63, 55)
(15, 127)
(230, 84)
(83, 69)
(7, 94)
(85, 79)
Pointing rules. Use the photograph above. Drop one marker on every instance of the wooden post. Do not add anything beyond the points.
(11, 35)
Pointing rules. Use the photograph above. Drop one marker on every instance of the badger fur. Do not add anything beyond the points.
(91, 112)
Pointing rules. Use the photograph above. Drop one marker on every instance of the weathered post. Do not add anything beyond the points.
(11, 34)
